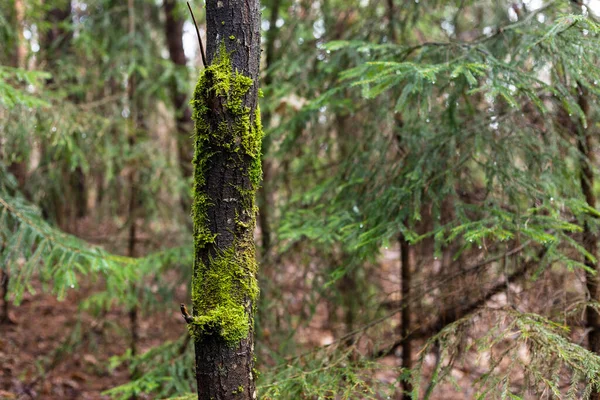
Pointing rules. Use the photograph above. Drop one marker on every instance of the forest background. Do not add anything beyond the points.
(427, 220)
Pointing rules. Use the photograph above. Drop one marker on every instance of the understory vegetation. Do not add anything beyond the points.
(427, 223)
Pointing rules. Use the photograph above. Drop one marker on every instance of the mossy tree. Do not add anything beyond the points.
(227, 173)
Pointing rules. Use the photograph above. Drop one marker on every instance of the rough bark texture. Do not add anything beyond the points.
(227, 173)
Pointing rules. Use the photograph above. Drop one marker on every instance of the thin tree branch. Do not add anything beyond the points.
(452, 315)
(199, 38)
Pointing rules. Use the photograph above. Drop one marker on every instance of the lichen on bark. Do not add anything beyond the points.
(224, 287)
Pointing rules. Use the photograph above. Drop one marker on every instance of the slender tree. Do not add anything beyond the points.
(405, 328)
(265, 194)
(183, 114)
(57, 42)
(132, 209)
(227, 173)
(589, 240)
(19, 168)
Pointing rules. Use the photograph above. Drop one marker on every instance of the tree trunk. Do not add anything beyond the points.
(4, 282)
(132, 127)
(265, 194)
(19, 168)
(21, 46)
(590, 242)
(405, 282)
(56, 42)
(392, 21)
(80, 192)
(227, 173)
(183, 114)
(405, 273)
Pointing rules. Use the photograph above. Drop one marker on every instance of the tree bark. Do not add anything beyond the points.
(265, 194)
(227, 173)
(183, 114)
(132, 210)
(405, 327)
(4, 282)
(19, 168)
(590, 242)
(392, 21)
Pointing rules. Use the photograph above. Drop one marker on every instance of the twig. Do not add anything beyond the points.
(186, 315)
(419, 331)
(483, 38)
(198, 33)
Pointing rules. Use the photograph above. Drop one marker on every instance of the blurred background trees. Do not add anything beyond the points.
(427, 225)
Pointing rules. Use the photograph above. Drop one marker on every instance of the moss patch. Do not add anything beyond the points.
(239, 390)
(220, 293)
(224, 286)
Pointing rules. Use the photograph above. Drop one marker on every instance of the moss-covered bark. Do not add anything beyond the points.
(227, 173)
(225, 278)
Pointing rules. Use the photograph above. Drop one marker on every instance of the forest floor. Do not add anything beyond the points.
(53, 351)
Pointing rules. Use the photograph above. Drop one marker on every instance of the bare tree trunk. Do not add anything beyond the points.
(4, 281)
(19, 168)
(405, 273)
(590, 242)
(131, 252)
(56, 42)
(183, 114)
(21, 46)
(265, 194)
(81, 195)
(227, 173)
(392, 21)
(133, 195)
(405, 282)
(56, 39)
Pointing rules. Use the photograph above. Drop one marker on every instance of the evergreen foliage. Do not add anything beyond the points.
(454, 124)
(32, 247)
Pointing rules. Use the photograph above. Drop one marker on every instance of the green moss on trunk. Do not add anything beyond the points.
(224, 283)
